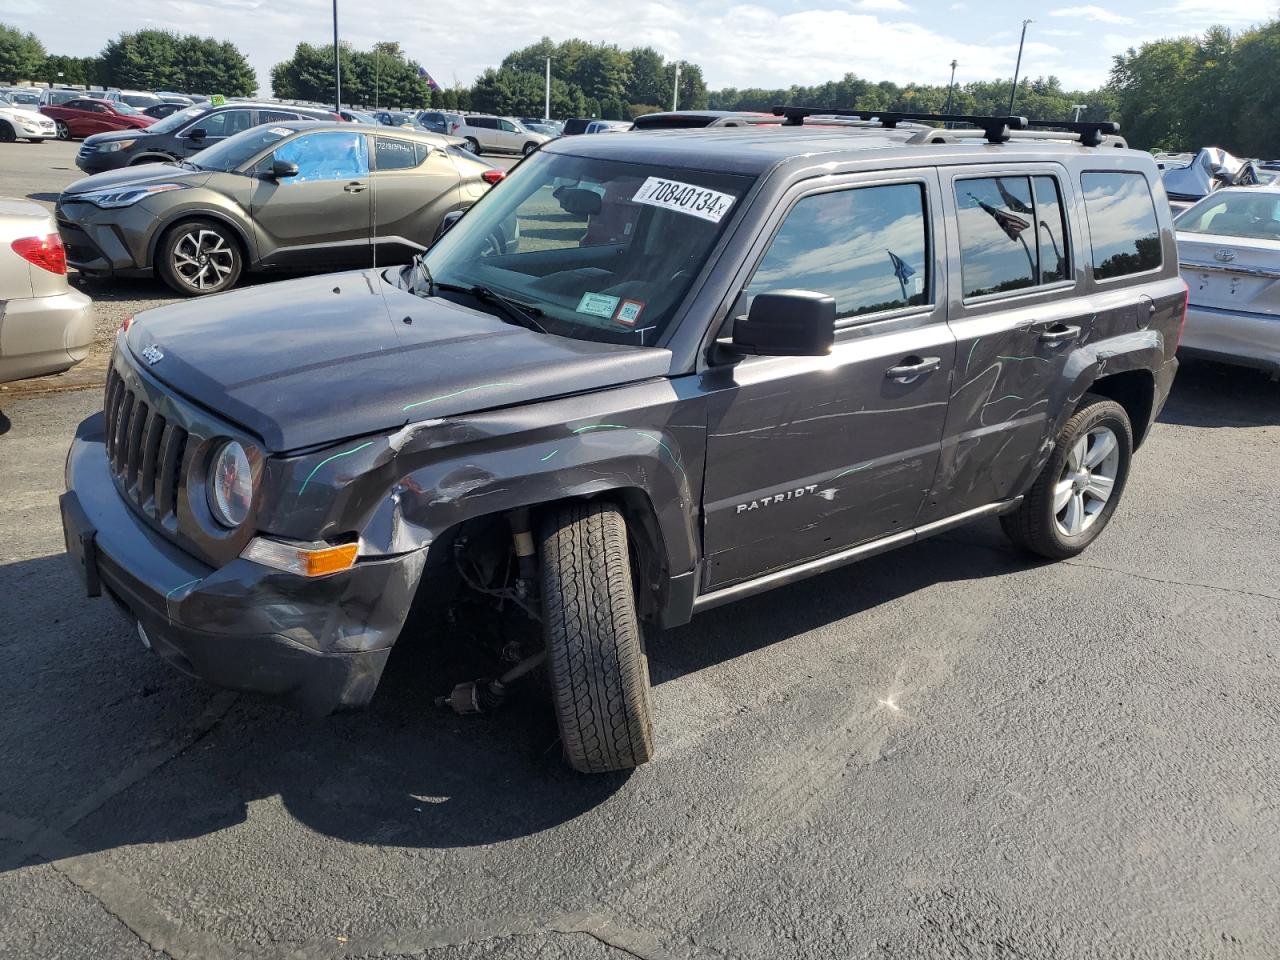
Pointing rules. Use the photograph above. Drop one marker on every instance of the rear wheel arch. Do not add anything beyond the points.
(1135, 390)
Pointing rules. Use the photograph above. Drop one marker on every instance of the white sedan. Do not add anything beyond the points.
(1229, 252)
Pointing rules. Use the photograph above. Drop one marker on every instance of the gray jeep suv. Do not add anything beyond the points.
(714, 362)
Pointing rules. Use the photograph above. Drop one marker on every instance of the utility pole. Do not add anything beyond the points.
(675, 90)
(337, 68)
(1077, 107)
(951, 87)
(1018, 67)
(546, 114)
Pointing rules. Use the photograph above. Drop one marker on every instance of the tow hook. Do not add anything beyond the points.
(486, 695)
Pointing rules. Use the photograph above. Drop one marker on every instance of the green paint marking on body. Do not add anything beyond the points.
(860, 467)
(458, 393)
(345, 453)
(599, 426)
(659, 441)
(181, 586)
(971, 349)
(550, 455)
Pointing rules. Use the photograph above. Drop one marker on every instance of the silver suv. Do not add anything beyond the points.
(498, 135)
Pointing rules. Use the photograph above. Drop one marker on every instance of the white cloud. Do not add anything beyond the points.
(1202, 13)
(1058, 33)
(740, 44)
(1090, 12)
(889, 6)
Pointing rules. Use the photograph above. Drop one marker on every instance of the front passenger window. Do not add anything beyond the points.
(867, 247)
(335, 155)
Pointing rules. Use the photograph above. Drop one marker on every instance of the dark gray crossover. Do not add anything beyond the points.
(186, 132)
(301, 195)
(712, 362)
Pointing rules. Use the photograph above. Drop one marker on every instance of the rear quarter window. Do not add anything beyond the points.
(1123, 229)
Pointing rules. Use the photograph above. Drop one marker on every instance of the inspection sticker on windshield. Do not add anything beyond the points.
(629, 313)
(598, 305)
(684, 197)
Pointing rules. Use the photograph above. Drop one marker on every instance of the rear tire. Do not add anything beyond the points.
(1078, 490)
(179, 258)
(528, 148)
(596, 662)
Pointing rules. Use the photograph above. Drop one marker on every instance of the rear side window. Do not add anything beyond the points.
(275, 116)
(1123, 228)
(486, 122)
(394, 154)
(1013, 234)
(867, 247)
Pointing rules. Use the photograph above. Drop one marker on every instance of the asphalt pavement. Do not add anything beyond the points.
(947, 751)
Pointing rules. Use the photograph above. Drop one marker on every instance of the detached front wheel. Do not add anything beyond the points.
(596, 661)
(1075, 495)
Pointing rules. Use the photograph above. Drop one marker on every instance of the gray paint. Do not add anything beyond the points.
(398, 432)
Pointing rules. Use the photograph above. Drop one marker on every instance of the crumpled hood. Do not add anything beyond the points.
(142, 174)
(319, 359)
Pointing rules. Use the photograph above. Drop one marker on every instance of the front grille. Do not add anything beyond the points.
(145, 451)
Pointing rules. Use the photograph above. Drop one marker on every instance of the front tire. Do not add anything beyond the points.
(199, 257)
(1078, 490)
(472, 146)
(596, 661)
(64, 132)
(7, 134)
(528, 148)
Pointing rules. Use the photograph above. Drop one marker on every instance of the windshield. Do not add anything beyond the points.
(234, 152)
(1252, 215)
(175, 120)
(598, 249)
(126, 110)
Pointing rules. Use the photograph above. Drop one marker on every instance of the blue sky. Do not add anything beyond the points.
(765, 43)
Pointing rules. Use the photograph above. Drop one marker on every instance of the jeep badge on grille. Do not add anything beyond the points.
(153, 355)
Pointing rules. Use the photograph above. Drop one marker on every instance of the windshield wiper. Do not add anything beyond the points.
(521, 314)
(188, 165)
(419, 266)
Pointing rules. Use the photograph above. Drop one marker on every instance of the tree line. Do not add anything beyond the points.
(1220, 88)
(144, 60)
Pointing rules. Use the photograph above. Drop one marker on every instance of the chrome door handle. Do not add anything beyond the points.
(1059, 333)
(354, 187)
(912, 367)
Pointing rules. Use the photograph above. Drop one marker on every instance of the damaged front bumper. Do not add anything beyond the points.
(320, 643)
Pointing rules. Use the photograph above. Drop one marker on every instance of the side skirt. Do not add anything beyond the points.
(822, 564)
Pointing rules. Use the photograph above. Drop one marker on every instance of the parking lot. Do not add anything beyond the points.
(949, 750)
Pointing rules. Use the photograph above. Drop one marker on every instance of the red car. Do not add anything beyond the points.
(81, 118)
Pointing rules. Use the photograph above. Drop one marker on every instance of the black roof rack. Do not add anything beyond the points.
(997, 129)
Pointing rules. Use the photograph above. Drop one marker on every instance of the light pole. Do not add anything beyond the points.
(1017, 67)
(546, 114)
(951, 87)
(675, 90)
(337, 69)
(1077, 107)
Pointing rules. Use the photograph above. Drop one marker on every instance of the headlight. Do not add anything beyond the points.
(114, 146)
(230, 485)
(126, 197)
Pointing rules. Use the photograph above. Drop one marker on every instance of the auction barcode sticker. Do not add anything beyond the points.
(685, 198)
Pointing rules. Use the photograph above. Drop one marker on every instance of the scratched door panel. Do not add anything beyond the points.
(1009, 370)
(807, 456)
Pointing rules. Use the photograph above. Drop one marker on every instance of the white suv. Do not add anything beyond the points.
(498, 135)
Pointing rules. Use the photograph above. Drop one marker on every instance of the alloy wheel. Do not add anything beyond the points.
(1087, 481)
(204, 259)
(64, 132)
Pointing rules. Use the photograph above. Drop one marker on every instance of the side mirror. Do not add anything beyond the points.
(447, 222)
(787, 323)
(283, 168)
(198, 134)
